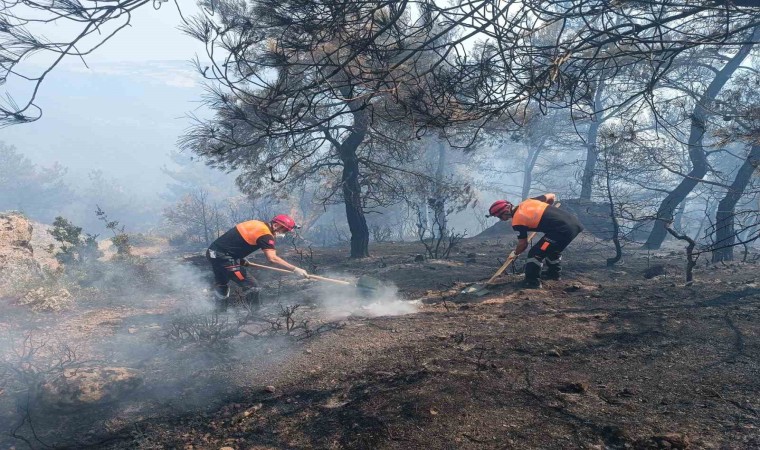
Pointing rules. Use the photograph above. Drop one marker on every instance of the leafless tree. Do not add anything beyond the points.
(197, 218)
(697, 153)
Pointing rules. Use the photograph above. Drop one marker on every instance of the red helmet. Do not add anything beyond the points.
(286, 221)
(499, 207)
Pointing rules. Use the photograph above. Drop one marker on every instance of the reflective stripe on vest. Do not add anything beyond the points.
(529, 213)
(252, 230)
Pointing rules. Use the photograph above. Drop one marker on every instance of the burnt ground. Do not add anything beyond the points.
(605, 358)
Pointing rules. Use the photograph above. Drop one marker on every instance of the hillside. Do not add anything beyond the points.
(603, 359)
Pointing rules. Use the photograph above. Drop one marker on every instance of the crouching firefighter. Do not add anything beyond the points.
(227, 253)
(560, 227)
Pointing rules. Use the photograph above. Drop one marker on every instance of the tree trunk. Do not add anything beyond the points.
(439, 202)
(697, 154)
(202, 196)
(709, 212)
(615, 224)
(679, 217)
(725, 233)
(530, 164)
(592, 155)
(352, 197)
(592, 151)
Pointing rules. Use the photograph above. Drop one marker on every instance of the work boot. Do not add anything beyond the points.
(552, 275)
(532, 283)
(221, 292)
(533, 273)
(253, 298)
(220, 305)
(221, 298)
(553, 268)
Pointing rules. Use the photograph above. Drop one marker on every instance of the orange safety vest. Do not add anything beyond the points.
(529, 213)
(252, 230)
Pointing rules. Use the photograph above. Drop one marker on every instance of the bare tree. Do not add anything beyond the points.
(725, 220)
(197, 218)
(697, 155)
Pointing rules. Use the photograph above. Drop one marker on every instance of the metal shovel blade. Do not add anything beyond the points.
(368, 283)
(475, 288)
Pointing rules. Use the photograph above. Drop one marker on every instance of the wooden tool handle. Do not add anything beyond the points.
(261, 266)
(330, 280)
(509, 261)
(311, 277)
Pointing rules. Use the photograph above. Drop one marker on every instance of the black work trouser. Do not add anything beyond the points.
(227, 268)
(548, 248)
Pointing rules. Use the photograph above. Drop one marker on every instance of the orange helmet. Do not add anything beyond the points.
(286, 221)
(499, 207)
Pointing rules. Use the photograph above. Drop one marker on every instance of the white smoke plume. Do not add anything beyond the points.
(341, 301)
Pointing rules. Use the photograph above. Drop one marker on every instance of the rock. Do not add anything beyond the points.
(654, 271)
(626, 393)
(667, 441)
(574, 388)
(47, 299)
(227, 448)
(573, 288)
(17, 264)
(554, 352)
(594, 216)
(419, 258)
(615, 436)
(270, 389)
(81, 387)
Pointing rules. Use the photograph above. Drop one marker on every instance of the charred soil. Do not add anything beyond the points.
(605, 358)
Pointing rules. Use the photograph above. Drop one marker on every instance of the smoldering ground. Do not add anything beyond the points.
(163, 331)
(382, 299)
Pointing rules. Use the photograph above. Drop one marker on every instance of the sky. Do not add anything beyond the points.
(123, 112)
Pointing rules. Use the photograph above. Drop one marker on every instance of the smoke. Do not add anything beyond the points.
(156, 318)
(123, 318)
(339, 301)
(191, 283)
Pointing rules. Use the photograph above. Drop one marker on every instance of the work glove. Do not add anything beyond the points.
(299, 271)
(512, 254)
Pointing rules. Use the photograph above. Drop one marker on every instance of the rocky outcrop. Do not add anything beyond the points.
(47, 298)
(595, 218)
(82, 387)
(17, 264)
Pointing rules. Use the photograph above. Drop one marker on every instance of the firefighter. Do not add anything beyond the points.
(560, 227)
(226, 255)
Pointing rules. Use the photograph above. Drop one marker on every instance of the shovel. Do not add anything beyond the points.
(480, 288)
(365, 283)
